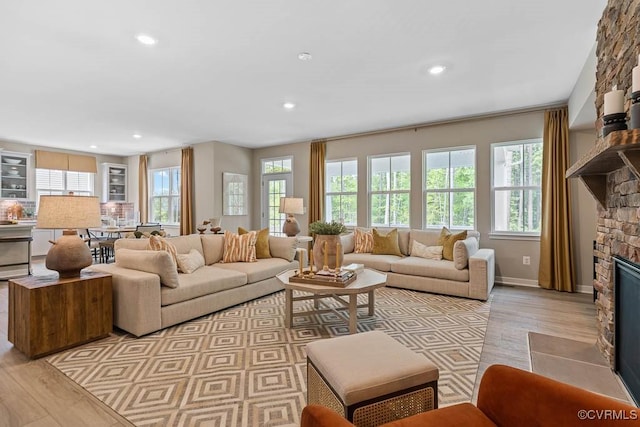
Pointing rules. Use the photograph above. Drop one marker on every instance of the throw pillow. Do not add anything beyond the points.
(262, 242)
(283, 247)
(157, 243)
(386, 244)
(424, 251)
(158, 262)
(448, 240)
(239, 248)
(188, 263)
(363, 241)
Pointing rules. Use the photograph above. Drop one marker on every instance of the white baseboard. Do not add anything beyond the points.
(528, 283)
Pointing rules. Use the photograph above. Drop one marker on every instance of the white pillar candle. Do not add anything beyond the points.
(614, 101)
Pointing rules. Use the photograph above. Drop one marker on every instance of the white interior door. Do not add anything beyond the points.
(275, 186)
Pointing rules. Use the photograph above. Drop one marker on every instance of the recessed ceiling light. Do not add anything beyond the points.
(137, 136)
(437, 69)
(304, 56)
(93, 146)
(146, 39)
(289, 105)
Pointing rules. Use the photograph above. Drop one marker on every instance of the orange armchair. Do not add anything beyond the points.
(509, 397)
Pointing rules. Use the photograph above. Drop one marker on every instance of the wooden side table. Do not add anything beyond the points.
(48, 314)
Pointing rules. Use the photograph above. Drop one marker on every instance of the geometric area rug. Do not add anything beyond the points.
(242, 367)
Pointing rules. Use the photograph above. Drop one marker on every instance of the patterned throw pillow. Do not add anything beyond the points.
(424, 251)
(363, 241)
(157, 243)
(239, 248)
(262, 242)
(448, 240)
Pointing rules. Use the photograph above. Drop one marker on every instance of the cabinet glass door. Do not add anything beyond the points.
(13, 174)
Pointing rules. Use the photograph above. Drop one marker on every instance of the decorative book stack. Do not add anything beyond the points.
(339, 279)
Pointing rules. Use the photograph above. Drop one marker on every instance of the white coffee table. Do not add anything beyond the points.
(366, 282)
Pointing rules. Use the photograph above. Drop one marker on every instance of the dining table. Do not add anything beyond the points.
(113, 232)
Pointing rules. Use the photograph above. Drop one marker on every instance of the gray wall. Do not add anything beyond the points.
(481, 133)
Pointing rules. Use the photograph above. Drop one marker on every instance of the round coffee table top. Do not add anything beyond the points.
(366, 280)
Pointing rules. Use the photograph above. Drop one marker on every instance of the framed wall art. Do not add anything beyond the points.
(234, 193)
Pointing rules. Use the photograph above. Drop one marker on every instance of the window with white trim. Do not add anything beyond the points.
(50, 182)
(449, 184)
(164, 202)
(390, 190)
(277, 182)
(341, 188)
(516, 187)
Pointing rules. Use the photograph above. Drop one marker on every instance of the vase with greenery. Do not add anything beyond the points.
(328, 232)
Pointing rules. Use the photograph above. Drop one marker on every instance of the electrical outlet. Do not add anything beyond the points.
(526, 260)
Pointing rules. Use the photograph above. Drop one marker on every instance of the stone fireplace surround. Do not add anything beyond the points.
(611, 170)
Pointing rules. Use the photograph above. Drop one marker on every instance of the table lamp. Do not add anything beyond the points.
(291, 206)
(69, 254)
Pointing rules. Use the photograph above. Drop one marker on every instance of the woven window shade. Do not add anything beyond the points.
(65, 162)
(79, 163)
(51, 160)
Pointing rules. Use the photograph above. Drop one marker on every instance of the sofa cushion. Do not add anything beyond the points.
(363, 241)
(158, 262)
(348, 242)
(386, 244)
(184, 244)
(283, 247)
(262, 242)
(138, 244)
(188, 263)
(204, 281)
(448, 240)
(239, 248)
(443, 269)
(213, 247)
(426, 237)
(428, 252)
(462, 250)
(378, 262)
(260, 270)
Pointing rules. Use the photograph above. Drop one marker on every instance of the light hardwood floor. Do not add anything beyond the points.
(32, 393)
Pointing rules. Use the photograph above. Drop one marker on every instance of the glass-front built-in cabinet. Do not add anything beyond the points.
(114, 182)
(13, 175)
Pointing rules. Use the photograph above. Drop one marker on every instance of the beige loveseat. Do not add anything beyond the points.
(471, 274)
(142, 304)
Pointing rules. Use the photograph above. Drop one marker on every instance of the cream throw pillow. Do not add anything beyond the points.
(158, 262)
(239, 248)
(157, 243)
(188, 263)
(363, 241)
(424, 251)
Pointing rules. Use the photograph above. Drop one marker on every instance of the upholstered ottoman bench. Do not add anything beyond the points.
(370, 378)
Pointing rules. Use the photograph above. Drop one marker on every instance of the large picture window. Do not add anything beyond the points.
(515, 187)
(389, 190)
(450, 188)
(165, 195)
(341, 185)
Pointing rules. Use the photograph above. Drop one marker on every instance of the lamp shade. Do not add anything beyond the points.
(68, 212)
(291, 205)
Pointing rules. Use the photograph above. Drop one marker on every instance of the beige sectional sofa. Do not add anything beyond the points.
(471, 274)
(142, 304)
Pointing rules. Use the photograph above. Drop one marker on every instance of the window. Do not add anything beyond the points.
(55, 182)
(390, 186)
(450, 188)
(165, 195)
(515, 187)
(277, 182)
(342, 192)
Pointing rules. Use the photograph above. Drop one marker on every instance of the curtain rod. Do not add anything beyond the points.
(446, 122)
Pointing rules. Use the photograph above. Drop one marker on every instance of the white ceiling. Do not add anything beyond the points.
(72, 73)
